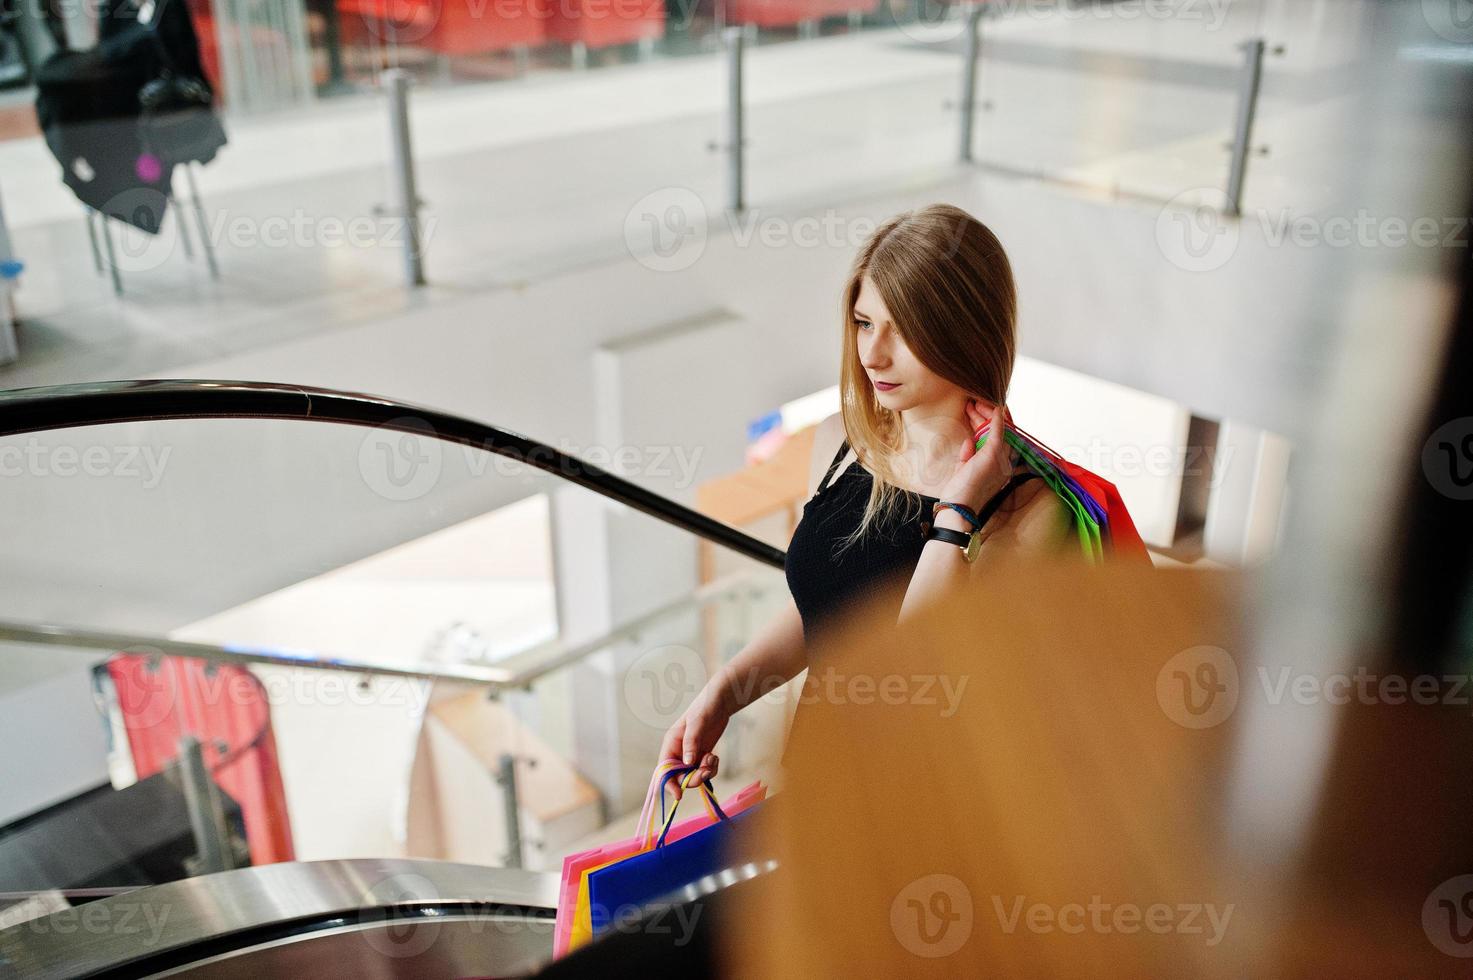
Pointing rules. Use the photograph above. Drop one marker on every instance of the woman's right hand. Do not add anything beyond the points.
(696, 732)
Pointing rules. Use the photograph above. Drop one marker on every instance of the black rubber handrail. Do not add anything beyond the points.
(25, 410)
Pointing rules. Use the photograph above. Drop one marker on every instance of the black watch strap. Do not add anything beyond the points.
(946, 534)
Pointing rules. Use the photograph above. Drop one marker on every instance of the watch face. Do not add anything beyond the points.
(974, 545)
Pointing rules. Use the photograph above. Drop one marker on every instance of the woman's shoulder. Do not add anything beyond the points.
(828, 436)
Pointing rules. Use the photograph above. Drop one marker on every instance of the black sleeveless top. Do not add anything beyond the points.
(824, 581)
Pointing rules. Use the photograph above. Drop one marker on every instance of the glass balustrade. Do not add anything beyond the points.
(383, 643)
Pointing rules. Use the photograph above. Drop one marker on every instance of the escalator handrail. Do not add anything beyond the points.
(24, 410)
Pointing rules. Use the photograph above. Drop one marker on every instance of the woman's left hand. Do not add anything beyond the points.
(982, 472)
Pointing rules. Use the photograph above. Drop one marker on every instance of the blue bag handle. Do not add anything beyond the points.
(705, 787)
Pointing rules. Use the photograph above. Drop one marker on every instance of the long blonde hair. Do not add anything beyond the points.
(947, 283)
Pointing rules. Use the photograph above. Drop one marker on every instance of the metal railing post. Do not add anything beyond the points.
(506, 777)
(206, 815)
(972, 47)
(406, 203)
(112, 254)
(735, 38)
(1252, 77)
(207, 246)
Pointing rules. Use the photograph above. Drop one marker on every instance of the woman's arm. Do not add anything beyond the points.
(773, 657)
(1040, 526)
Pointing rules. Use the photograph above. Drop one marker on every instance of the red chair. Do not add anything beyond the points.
(448, 27)
(784, 13)
(225, 707)
(602, 23)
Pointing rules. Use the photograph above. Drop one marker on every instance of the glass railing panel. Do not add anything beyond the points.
(162, 528)
(1130, 99)
(898, 122)
(493, 620)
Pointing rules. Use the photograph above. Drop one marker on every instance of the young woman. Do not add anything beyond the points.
(928, 350)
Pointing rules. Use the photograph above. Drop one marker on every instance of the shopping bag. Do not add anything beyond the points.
(573, 926)
(581, 929)
(581, 926)
(575, 864)
(1101, 521)
(623, 888)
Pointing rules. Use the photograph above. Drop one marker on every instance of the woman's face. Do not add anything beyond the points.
(884, 357)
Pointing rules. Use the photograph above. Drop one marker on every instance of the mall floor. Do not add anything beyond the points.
(547, 177)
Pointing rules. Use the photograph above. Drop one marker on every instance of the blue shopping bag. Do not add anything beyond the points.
(622, 888)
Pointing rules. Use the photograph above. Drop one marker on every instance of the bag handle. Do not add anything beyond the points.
(657, 785)
(708, 796)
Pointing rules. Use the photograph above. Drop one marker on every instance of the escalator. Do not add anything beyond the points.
(152, 522)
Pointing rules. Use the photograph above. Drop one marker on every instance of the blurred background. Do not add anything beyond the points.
(619, 228)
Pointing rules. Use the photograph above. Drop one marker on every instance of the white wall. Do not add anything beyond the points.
(55, 742)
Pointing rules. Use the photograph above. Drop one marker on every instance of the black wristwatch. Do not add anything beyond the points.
(969, 543)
